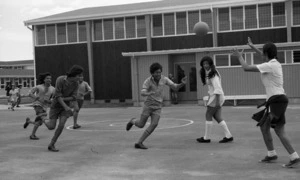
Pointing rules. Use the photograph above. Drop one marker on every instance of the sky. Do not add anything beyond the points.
(16, 40)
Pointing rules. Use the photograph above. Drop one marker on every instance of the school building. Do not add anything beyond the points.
(17, 72)
(117, 44)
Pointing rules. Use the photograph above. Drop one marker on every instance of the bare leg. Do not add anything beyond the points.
(265, 129)
(58, 131)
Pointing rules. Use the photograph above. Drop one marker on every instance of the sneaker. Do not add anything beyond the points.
(26, 123)
(202, 140)
(140, 146)
(52, 148)
(269, 159)
(129, 124)
(76, 126)
(226, 140)
(292, 163)
(33, 137)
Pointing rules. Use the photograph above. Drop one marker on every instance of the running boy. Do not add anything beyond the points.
(84, 89)
(14, 94)
(153, 91)
(42, 95)
(277, 101)
(66, 88)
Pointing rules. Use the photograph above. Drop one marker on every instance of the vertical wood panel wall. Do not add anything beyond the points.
(112, 70)
(58, 59)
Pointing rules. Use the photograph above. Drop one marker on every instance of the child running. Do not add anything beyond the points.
(66, 88)
(211, 77)
(14, 94)
(152, 89)
(277, 101)
(83, 90)
(42, 95)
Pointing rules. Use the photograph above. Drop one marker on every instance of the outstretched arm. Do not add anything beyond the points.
(245, 66)
(176, 87)
(253, 47)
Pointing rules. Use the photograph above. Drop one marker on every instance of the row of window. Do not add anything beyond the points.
(25, 82)
(72, 32)
(11, 67)
(225, 60)
(246, 17)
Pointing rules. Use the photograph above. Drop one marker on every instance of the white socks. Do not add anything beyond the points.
(294, 156)
(208, 128)
(226, 130)
(272, 153)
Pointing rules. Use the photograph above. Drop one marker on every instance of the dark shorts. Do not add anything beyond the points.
(149, 111)
(39, 110)
(57, 112)
(80, 103)
(278, 108)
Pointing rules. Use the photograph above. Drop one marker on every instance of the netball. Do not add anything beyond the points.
(201, 28)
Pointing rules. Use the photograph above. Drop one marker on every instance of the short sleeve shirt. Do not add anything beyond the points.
(151, 86)
(64, 88)
(44, 93)
(82, 89)
(272, 77)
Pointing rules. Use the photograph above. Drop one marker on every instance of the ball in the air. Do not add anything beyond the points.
(201, 28)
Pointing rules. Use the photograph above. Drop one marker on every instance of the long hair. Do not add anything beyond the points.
(212, 72)
(42, 77)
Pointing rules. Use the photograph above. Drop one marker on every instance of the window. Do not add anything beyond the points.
(82, 31)
(237, 18)
(108, 29)
(281, 57)
(222, 60)
(234, 61)
(72, 32)
(157, 25)
(224, 24)
(264, 15)
(278, 14)
(119, 28)
(206, 17)
(98, 30)
(181, 23)
(50, 34)
(296, 12)
(141, 26)
(296, 56)
(61, 33)
(169, 24)
(250, 17)
(40, 35)
(193, 18)
(257, 58)
(130, 27)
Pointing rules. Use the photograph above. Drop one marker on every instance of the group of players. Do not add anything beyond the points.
(63, 98)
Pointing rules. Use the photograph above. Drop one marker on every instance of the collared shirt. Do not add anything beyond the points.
(151, 86)
(44, 93)
(214, 87)
(272, 77)
(13, 94)
(64, 88)
(83, 89)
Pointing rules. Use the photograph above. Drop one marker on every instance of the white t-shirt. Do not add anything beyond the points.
(272, 77)
(214, 87)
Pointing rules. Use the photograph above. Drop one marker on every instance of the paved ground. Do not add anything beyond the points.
(103, 150)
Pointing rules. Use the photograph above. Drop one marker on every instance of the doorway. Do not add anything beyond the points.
(189, 91)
